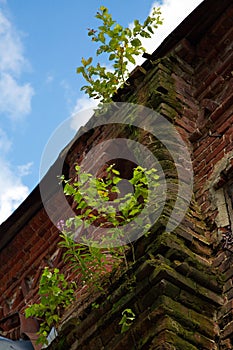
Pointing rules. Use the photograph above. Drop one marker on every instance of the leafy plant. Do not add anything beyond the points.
(94, 195)
(120, 45)
(55, 295)
(99, 203)
(87, 261)
(95, 305)
(128, 317)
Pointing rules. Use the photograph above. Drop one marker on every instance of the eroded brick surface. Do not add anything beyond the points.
(183, 292)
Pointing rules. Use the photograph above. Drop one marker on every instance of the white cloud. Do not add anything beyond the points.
(15, 103)
(173, 13)
(11, 49)
(12, 190)
(24, 169)
(15, 99)
(82, 111)
(5, 143)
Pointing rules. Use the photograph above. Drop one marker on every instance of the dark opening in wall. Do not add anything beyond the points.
(162, 90)
(228, 192)
(124, 166)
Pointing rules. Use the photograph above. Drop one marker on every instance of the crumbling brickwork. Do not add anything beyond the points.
(180, 287)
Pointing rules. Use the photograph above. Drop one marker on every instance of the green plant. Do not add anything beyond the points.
(88, 262)
(94, 195)
(55, 295)
(95, 306)
(128, 317)
(96, 200)
(120, 46)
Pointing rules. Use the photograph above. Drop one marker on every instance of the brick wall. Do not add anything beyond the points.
(180, 287)
(212, 150)
(214, 82)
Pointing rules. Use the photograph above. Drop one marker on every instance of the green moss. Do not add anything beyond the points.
(174, 247)
(121, 303)
(192, 337)
(157, 91)
(190, 319)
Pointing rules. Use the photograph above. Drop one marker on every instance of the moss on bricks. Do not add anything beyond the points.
(190, 319)
(174, 339)
(193, 337)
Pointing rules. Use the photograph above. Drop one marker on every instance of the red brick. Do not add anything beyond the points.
(201, 70)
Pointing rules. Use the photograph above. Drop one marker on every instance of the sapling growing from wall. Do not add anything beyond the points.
(119, 46)
(83, 251)
(55, 295)
(128, 317)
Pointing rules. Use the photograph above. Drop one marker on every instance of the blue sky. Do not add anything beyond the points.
(41, 44)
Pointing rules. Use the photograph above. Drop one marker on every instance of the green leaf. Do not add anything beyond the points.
(68, 189)
(80, 70)
(84, 177)
(114, 171)
(84, 62)
(82, 205)
(101, 37)
(89, 61)
(112, 57)
(103, 8)
(116, 180)
(134, 211)
(128, 316)
(136, 42)
(150, 29)
(117, 28)
(130, 58)
(78, 197)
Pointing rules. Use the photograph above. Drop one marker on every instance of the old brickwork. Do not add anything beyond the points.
(213, 149)
(180, 287)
